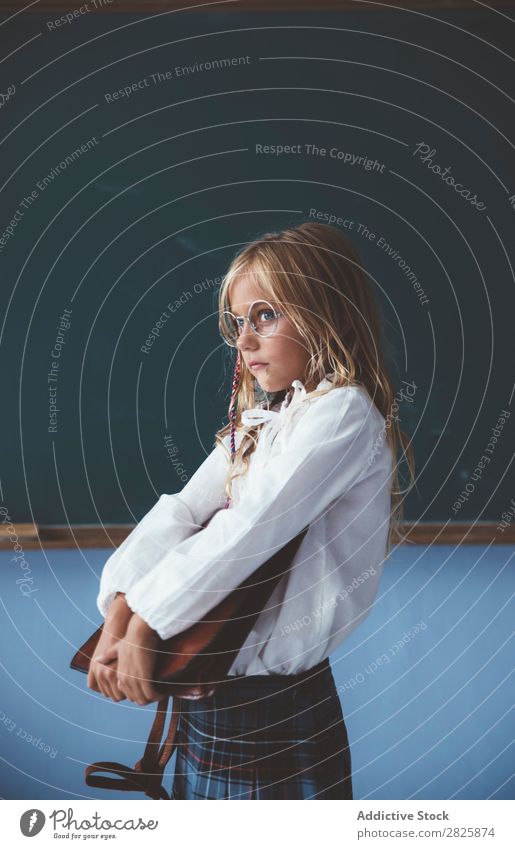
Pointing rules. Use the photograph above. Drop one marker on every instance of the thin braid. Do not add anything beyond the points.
(232, 413)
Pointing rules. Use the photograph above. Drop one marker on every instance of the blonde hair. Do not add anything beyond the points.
(316, 275)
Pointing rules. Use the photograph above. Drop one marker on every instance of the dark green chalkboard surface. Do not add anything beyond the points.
(138, 154)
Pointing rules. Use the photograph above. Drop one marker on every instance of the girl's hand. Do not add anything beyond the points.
(136, 661)
(103, 678)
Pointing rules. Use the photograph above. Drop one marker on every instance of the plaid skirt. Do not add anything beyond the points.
(265, 737)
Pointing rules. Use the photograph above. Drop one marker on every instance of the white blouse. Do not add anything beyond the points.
(322, 461)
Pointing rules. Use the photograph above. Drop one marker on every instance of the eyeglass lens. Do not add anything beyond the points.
(262, 317)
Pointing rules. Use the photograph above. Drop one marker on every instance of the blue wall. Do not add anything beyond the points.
(428, 712)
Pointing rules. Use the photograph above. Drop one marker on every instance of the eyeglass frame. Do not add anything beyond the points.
(247, 318)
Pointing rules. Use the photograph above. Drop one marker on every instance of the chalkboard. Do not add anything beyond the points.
(139, 153)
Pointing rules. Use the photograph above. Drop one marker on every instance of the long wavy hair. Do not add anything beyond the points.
(316, 275)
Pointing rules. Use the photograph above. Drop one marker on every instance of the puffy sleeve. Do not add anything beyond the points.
(171, 520)
(324, 456)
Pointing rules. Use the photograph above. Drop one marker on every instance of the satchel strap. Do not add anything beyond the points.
(147, 774)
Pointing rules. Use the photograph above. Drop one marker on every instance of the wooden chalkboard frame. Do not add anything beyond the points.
(111, 536)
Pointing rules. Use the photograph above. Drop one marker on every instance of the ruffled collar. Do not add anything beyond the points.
(259, 415)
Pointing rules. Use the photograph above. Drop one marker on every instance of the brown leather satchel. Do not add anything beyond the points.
(190, 664)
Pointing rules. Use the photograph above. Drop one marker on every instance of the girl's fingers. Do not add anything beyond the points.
(126, 687)
(105, 690)
(103, 680)
(109, 689)
(105, 686)
(150, 694)
(93, 683)
(139, 696)
(119, 695)
(111, 686)
(133, 686)
(147, 691)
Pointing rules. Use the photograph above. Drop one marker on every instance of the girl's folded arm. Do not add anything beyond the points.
(172, 519)
(325, 455)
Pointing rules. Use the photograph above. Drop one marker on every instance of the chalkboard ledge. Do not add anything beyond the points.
(31, 536)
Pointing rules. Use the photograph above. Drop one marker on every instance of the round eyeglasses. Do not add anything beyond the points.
(261, 316)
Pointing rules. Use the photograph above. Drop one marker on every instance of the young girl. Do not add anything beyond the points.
(297, 310)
